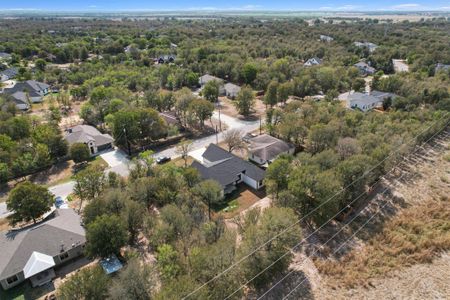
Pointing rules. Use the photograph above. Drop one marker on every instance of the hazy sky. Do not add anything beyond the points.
(337, 5)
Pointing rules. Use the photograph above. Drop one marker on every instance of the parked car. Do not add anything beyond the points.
(246, 138)
(162, 159)
(59, 201)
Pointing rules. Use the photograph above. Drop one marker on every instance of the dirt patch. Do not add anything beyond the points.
(227, 107)
(56, 174)
(241, 199)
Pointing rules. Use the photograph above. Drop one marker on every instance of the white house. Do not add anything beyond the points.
(364, 101)
(264, 149)
(371, 46)
(313, 62)
(231, 90)
(89, 135)
(364, 68)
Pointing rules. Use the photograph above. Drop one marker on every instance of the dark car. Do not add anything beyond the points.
(162, 159)
(59, 201)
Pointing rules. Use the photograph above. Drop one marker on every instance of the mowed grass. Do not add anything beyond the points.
(417, 235)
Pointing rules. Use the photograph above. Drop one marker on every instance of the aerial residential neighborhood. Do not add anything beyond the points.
(225, 151)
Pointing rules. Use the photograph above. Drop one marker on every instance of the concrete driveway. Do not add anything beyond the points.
(115, 157)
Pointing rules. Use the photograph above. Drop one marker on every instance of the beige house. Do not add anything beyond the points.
(264, 149)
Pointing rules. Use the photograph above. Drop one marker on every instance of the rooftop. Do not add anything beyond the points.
(61, 231)
(268, 147)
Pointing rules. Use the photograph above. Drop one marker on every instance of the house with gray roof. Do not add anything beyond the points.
(442, 67)
(364, 68)
(370, 46)
(231, 90)
(36, 90)
(90, 136)
(202, 80)
(21, 100)
(228, 169)
(314, 61)
(264, 149)
(364, 101)
(5, 56)
(32, 253)
(8, 74)
(326, 38)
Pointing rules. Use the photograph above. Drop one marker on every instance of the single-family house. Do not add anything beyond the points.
(231, 90)
(315, 61)
(21, 100)
(370, 46)
(165, 59)
(364, 101)
(228, 169)
(35, 90)
(326, 38)
(442, 67)
(364, 68)
(207, 78)
(5, 56)
(400, 65)
(89, 135)
(8, 74)
(32, 253)
(264, 149)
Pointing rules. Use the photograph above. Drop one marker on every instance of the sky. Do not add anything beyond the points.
(199, 5)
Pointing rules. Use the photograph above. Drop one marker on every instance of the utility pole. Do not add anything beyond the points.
(220, 122)
(260, 125)
(128, 142)
(217, 136)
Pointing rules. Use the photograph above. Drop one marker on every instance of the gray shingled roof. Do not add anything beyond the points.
(232, 88)
(268, 147)
(46, 237)
(31, 86)
(86, 133)
(225, 166)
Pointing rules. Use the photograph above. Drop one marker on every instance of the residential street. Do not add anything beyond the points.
(119, 163)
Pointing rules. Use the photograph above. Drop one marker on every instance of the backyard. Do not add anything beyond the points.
(239, 200)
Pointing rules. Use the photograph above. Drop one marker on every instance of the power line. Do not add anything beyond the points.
(308, 214)
(304, 239)
(287, 275)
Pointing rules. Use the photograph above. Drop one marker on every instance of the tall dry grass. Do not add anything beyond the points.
(417, 235)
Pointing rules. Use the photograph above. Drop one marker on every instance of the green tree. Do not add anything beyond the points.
(79, 152)
(209, 192)
(249, 72)
(270, 98)
(89, 183)
(244, 101)
(135, 281)
(202, 110)
(87, 283)
(211, 91)
(28, 201)
(133, 215)
(167, 260)
(40, 64)
(105, 236)
(4, 173)
(277, 175)
(272, 222)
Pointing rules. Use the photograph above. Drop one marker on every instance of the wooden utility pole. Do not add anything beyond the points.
(128, 142)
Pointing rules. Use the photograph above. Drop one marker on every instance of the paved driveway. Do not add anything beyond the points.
(115, 157)
(3, 211)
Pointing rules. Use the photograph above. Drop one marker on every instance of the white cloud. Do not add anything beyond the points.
(406, 6)
(349, 7)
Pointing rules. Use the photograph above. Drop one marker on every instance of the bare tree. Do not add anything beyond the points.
(233, 138)
(183, 149)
